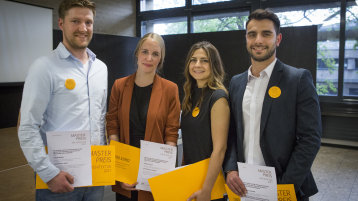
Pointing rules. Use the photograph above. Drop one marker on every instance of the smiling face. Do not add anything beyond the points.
(262, 40)
(199, 67)
(77, 28)
(149, 55)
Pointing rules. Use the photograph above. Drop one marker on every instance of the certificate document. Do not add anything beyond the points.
(70, 151)
(155, 159)
(260, 182)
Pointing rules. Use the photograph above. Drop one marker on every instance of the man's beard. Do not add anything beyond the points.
(264, 57)
(78, 45)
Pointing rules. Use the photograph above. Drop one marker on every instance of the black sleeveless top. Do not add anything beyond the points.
(138, 113)
(196, 131)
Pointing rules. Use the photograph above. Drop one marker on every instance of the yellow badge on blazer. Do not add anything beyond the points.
(274, 92)
(195, 112)
(70, 84)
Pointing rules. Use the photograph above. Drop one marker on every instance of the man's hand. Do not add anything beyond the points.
(234, 182)
(128, 187)
(61, 183)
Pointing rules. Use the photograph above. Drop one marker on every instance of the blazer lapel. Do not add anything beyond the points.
(274, 81)
(153, 108)
(126, 105)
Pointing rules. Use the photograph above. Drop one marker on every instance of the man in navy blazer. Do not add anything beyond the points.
(275, 113)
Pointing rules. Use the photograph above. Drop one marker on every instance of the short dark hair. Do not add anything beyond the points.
(261, 14)
(68, 4)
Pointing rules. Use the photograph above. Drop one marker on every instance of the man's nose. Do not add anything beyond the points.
(82, 27)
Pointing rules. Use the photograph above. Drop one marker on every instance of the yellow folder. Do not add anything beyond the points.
(181, 183)
(284, 192)
(103, 167)
(127, 162)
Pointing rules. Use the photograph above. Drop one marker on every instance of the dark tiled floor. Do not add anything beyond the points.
(335, 171)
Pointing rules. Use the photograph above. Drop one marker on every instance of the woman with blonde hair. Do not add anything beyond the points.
(143, 106)
(205, 113)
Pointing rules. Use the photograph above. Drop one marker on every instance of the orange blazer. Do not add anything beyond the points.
(162, 119)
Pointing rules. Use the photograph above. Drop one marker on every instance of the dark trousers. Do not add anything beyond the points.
(134, 197)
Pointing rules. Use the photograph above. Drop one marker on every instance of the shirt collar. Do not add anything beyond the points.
(64, 53)
(267, 71)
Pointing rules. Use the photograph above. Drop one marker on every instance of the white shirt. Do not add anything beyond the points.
(48, 105)
(252, 108)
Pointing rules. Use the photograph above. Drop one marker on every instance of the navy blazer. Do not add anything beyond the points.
(290, 129)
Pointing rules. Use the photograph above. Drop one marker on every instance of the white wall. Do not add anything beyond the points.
(115, 17)
(26, 34)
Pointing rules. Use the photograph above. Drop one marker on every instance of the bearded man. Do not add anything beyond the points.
(64, 91)
(275, 113)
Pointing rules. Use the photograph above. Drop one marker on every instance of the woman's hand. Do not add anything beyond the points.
(200, 195)
(128, 187)
(114, 138)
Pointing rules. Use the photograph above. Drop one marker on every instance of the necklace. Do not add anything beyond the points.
(195, 112)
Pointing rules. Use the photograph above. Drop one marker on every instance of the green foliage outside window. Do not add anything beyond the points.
(327, 87)
(220, 24)
(209, 25)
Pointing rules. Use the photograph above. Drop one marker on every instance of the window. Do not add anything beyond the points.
(198, 2)
(182, 16)
(220, 22)
(327, 18)
(350, 77)
(165, 26)
(146, 5)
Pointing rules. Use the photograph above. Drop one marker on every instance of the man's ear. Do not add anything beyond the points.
(278, 39)
(60, 23)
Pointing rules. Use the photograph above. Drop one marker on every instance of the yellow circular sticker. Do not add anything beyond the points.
(70, 84)
(274, 92)
(195, 112)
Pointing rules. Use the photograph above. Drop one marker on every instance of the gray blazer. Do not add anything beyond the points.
(290, 129)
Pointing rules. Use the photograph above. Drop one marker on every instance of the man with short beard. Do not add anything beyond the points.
(64, 91)
(276, 118)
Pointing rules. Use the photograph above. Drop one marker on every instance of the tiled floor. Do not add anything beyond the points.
(336, 174)
(335, 171)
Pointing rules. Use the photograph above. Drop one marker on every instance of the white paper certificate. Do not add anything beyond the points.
(260, 182)
(155, 159)
(70, 151)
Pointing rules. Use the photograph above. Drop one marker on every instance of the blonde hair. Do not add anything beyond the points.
(217, 73)
(161, 43)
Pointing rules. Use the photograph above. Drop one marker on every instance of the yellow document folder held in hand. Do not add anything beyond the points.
(285, 192)
(127, 162)
(181, 183)
(103, 167)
